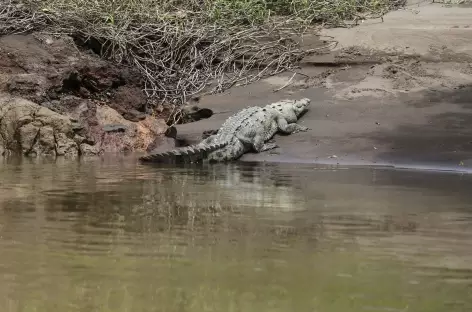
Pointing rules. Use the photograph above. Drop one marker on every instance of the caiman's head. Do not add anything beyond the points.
(301, 106)
(291, 110)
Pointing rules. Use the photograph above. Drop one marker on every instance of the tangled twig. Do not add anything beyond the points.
(177, 50)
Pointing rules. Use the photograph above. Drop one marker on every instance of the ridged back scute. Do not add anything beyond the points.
(235, 122)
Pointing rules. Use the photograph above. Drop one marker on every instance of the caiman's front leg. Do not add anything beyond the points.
(287, 128)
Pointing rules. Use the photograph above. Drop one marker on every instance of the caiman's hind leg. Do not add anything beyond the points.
(257, 144)
(260, 146)
(208, 140)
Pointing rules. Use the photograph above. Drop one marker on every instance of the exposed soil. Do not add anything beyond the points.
(105, 102)
(393, 93)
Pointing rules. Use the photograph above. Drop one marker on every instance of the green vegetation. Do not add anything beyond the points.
(181, 47)
(331, 13)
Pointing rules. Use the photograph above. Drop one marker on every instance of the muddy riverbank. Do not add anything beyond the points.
(392, 92)
(58, 99)
(396, 92)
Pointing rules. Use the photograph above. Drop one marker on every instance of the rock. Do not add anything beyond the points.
(28, 135)
(88, 150)
(46, 142)
(129, 101)
(80, 139)
(59, 122)
(65, 146)
(31, 86)
(76, 126)
(195, 113)
(111, 132)
(133, 115)
(64, 102)
(12, 119)
(32, 130)
(53, 105)
(171, 132)
(51, 71)
(108, 116)
(148, 130)
(114, 128)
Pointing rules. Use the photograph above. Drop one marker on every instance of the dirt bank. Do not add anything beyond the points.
(57, 99)
(397, 92)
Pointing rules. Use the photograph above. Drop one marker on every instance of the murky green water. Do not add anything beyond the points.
(118, 236)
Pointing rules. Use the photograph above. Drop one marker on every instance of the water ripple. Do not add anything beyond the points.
(266, 238)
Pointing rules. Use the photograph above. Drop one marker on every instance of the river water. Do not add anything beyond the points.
(114, 235)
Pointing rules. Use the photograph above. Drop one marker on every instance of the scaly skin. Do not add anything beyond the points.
(247, 130)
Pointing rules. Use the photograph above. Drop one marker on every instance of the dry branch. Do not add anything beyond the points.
(178, 49)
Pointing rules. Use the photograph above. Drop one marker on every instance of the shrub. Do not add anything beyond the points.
(182, 47)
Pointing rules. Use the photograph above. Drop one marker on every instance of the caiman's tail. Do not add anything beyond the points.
(188, 154)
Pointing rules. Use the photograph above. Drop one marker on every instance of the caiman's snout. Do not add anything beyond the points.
(302, 105)
(305, 102)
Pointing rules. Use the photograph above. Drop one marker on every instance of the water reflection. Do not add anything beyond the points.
(117, 236)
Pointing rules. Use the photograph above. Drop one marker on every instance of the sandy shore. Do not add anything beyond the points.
(397, 92)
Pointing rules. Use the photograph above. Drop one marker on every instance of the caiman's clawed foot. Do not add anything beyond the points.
(269, 146)
(301, 129)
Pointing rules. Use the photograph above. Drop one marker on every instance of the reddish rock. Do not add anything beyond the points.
(32, 130)
(103, 103)
(130, 102)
